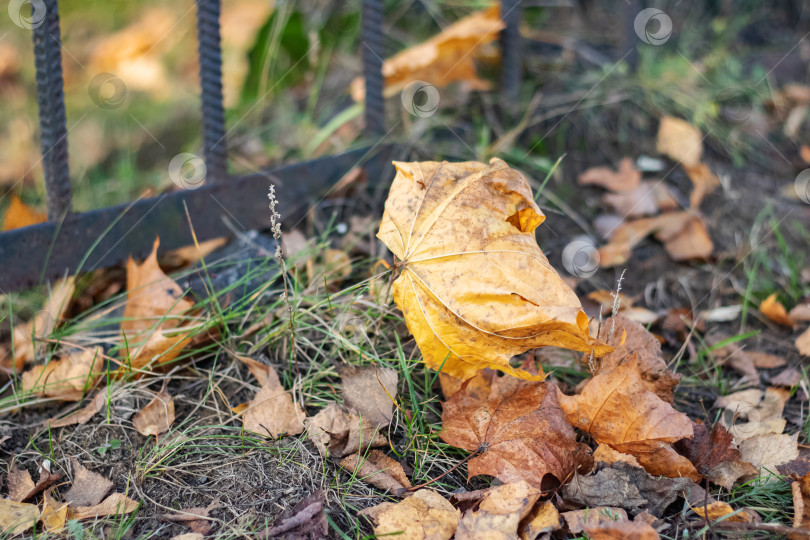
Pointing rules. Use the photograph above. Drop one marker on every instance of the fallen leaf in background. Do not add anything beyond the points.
(21, 487)
(499, 513)
(638, 314)
(606, 454)
(625, 486)
(767, 452)
(649, 198)
(371, 391)
(68, 378)
(719, 509)
(803, 343)
(622, 530)
(115, 504)
(54, 513)
(765, 360)
(616, 408)
(521, 428)
(240, 23)
(772, 308)
(378, 470)
(788, 377)
(41, 325)
(161, 347)
(154, 301)
(703, 182)
(188, 255)
(683, 234)
(194, 518)
(272, 412)
(156, 417)
(680, 140)
(475, 296)
(763, 410)
(543, 518)
(18, 214)
(801, 501)
(339, 431)
(478, 386)
(17, 517)
(425, 515)
(625, 178)
(88, 488)
(188, 536)
(578, 520)
(800, 313)
(443, 59)
(305, 520)
(715, 456)
(83, 415)
(735, 357)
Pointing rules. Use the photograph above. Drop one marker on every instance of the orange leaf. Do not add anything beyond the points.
(475, 287)
(67, 378)
(772, 308)
(626, 178)
(20, 214)
(156, 417)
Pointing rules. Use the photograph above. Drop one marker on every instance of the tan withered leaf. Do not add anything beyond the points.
(54, 513)
(83, 415)
(520, 427)
(578, 520)
(153, 299)
(157, 416)
(718, 509)
(17, 517)
(272, 412)
(648, 198)
(88, 488)
(618, 409)
(801, 501)
(378, 470)
(803, 343)
(161, 347)
(622, 530)
(680, 140)
(544, 518)
(475, 288)
(338, 431)
(424, 516)
(371, 391)
(444, 58)
(115, 504)
(499, 513)
(625, 178)
(67, 378)
(703, 182)
(21, 486)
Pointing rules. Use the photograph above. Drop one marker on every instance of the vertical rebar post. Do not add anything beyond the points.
(51, 103)
(510, 49)
(372, 43)
(213, 111)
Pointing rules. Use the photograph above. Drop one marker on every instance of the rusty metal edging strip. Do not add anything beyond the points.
(106, 237)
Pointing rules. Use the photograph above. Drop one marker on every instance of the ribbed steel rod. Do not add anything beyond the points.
(372, 43)
(510, 49)
(51, 102)
(213, 111)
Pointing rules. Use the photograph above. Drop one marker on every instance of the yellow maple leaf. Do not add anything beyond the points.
(475, 288)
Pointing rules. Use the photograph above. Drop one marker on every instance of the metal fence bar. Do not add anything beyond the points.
(510, 49)
(372, 43)
(213, 112)
(51, 102)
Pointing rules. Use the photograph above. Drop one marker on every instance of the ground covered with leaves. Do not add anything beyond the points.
(579, 313)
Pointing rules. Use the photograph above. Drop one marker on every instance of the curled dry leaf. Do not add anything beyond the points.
(378, 470)
(772, 308)
(17, 517)
(684, 236)
(21, 486)
(521, 428)
(475, 288)
(444, 58)
(156, 417)
(67, 378)
(272, 412)
(626, 178)
(88, 488)
(339, 431)
(617, 408)
(371, 391)
(499, 513)
(115, 504)
(544, 518)
(425, 515)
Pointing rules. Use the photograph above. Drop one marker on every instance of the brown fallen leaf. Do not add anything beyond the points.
(772, 308)
(578, 520)
(21, 486)
(156, 417)
(765, 360)
(115, 504)
(475, 296)
(83, 415)
(803, 343)
(800, 313)
(272, 412)
(305, 521)
(499, 513)
(606, 454)
(18, 214)
(88, 488)
(17, 517)
(788, 377)
(715, 456)
(519, 431)
(188, 536)
(625, 178)
(371, 391)
(680, 140)
(68, 378)
(622, 530)
(623, 485)
(338, 431)
(54, 513)
(161, 347)
(684, 236)
(718, 509)
(425, 515)
(617, 409)
(801, 501)
(478, 386)
(735, 357)
(378, 470)
(544, 518)
(445, 58)
(767, 452)
(195, 518)
(188, 255)
(703, 182)
(649, 198)
(762, 410)
(154, 301)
